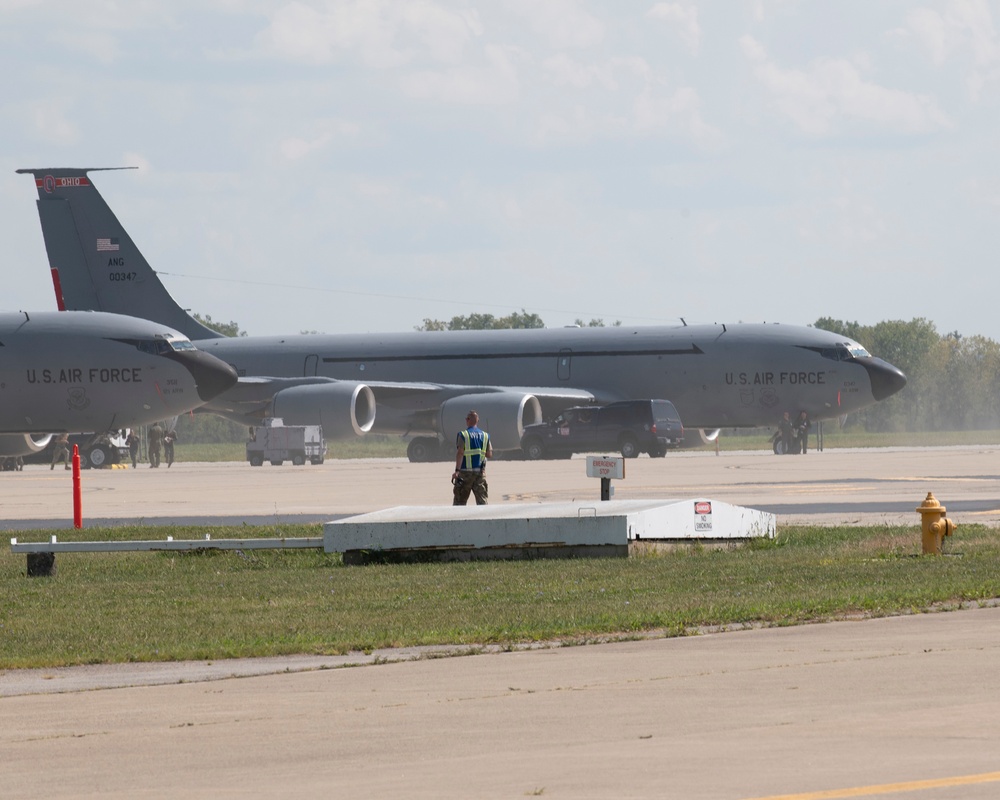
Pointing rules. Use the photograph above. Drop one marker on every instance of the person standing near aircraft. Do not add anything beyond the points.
(787, 432)
(168, 446)
(154, 442)
(132, 442)
(802, 432)
(469, 477)
(60, 450)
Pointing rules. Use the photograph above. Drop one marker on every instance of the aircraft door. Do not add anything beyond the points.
(311, 365)
(563, 364)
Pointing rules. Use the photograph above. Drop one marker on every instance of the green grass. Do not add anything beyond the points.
(119, 607)
(395, 447)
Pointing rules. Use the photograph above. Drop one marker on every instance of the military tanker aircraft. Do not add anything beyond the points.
(421, 384)
(81, 371)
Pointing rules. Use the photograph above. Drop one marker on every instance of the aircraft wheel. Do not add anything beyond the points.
(422, 449)
(533, 449)
(98, 456)
(778, 447)
(298, 460)
(629, 447)
(256, 461)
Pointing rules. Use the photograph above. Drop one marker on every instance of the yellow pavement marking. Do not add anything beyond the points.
(887, 788)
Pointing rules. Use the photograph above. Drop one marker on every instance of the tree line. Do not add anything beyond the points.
(488, 322)
(953, 381)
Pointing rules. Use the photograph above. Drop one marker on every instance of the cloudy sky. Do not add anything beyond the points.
(361, 165)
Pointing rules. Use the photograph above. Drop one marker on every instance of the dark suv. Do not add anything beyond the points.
(631, 426)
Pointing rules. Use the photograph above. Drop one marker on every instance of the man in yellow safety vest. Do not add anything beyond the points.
(469, 477)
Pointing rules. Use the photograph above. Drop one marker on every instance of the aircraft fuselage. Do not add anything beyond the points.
(717, 376)
(83, 371)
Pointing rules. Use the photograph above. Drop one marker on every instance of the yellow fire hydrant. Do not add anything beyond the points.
(934, 524)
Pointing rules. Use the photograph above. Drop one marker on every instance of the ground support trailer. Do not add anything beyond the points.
(277, 443)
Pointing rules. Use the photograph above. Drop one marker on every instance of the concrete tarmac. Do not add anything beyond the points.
(894, 707)
(833, 487)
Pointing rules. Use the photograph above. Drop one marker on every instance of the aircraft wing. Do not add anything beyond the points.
(401, 392)
(351, 408)
(259, 389)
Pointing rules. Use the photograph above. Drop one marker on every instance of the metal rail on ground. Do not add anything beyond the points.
(41, 556)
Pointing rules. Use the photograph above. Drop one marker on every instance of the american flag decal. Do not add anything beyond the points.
(106, 244)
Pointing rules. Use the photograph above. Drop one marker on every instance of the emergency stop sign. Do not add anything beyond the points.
(605, 467)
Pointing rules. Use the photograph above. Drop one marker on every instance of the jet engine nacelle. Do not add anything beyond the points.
(344, 409)
(700, 438)
(501, 414)
(22, 444)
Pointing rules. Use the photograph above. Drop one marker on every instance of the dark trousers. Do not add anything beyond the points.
(471, 482)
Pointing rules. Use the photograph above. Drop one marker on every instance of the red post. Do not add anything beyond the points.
(77, 495)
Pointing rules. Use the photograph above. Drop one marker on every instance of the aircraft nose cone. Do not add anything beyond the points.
(886, 379)
(212, 375)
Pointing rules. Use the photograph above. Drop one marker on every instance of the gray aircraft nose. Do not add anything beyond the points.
(886, 379)
(212, 375)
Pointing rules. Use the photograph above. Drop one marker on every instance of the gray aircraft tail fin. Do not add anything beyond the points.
(95, 264)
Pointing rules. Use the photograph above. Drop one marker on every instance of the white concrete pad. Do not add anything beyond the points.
(701, 518)
(572, 524)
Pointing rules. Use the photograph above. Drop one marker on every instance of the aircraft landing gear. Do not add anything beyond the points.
(423, 449)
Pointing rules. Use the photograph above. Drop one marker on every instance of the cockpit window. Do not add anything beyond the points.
(161, 345)
(153, 346)
(844, 352)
